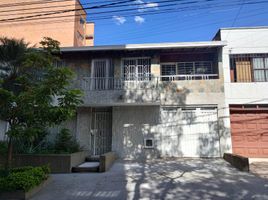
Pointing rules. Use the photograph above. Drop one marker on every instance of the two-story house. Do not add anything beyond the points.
(151, 100)
(193, 99)
(245, 65)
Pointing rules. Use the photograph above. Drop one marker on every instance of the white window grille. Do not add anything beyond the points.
(188, 71)
(137, 69)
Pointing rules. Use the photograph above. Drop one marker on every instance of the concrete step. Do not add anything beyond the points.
(92, 158)
(87, 167)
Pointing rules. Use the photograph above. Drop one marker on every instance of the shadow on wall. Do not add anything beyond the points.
(155, 92)
(131, 125)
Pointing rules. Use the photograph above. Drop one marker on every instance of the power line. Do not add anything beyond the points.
(51, 6)
(66, 11)
(146, 13)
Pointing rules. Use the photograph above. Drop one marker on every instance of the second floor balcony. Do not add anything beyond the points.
(147, 90)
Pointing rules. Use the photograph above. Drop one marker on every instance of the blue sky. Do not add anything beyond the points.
(197, 22)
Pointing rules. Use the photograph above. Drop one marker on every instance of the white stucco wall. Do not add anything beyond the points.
(172, 137)
(244, 41)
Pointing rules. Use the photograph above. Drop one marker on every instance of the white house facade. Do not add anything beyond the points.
(188, 99)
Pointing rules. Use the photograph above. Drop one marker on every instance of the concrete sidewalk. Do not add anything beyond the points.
(176, 179)
(259, 167)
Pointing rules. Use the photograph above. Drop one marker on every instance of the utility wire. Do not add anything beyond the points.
(145, 13)
(66, 11)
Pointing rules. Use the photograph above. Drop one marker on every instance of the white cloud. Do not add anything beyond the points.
(139, 19)
(119, 20)
(144, 6)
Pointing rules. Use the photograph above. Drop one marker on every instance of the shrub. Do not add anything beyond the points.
(3, 147)
(65, 143)
(24, 178)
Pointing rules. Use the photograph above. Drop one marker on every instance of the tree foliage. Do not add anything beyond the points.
(34, 94)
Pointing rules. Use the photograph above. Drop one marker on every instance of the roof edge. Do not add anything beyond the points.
(147, 46)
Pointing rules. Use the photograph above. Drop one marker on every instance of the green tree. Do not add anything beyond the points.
(34, 94)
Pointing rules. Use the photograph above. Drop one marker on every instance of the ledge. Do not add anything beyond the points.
(237, 161)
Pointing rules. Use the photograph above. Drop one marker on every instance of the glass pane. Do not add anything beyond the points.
(186, 68)
(258, 63)
(168, 70)
(259, 75)
(266, 63)
(203, 68)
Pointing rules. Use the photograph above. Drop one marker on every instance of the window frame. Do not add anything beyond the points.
(264, 69)
(177, 70)
(247, 57)
(136, 68)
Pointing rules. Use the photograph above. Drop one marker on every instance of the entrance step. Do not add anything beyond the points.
(87, 167)
(93, 159)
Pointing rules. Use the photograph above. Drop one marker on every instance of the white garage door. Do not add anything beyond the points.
(189, 132)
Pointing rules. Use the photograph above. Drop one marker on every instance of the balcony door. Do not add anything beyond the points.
(101, 74)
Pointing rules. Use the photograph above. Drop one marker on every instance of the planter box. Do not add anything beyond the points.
(58, 163)
(106, 161)
(21, 195)
(237, 161)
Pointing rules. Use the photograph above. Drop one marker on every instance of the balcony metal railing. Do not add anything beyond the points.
(189, 77)
(112, 83)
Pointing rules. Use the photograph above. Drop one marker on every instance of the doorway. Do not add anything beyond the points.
(101, 131)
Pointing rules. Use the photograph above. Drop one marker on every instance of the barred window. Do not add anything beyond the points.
(200, 67)
(260, 68)
(249, 67)
(137, 69)
(179, 71)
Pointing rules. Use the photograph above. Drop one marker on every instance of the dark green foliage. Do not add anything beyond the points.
(24, 178)
(65, 143)
(3, 147)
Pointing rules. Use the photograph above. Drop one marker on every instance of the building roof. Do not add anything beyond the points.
(250, 27)
(237, 28)
(176, 45)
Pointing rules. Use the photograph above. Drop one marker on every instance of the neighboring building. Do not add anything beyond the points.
(245, 61)
(69, 28)
(151, 100)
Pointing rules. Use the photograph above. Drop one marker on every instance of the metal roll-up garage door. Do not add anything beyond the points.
(249, 129)
(189, 132)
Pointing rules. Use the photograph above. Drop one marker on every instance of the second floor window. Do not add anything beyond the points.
(137, 69)
(184, 70)
(260, 69)
(249, 68)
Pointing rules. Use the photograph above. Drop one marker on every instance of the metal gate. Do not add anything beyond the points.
(101, 133)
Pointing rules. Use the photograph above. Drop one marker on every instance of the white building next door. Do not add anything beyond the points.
(189, 132)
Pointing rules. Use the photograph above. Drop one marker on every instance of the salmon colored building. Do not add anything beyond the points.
(32, 20)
